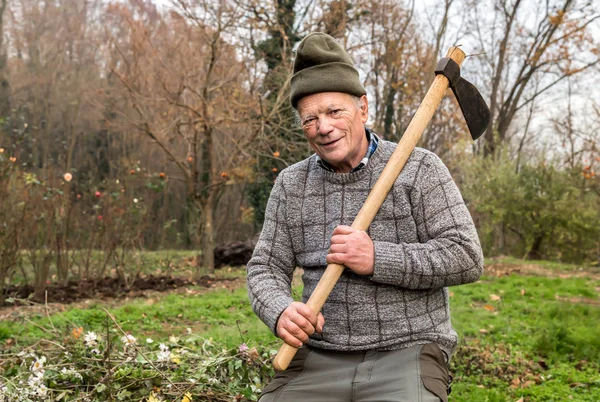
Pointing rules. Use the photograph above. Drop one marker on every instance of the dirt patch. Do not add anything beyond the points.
(580, 300)
(114, 295)
(501, 269)
(107, 288)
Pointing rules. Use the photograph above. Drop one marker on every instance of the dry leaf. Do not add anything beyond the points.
(528, 383)
(483, 331)
(494, 297)
(489, 307)
(520, 399)
(522, 292)
(450, 294)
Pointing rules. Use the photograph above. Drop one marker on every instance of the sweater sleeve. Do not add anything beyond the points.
(448, 252)
(270, 270)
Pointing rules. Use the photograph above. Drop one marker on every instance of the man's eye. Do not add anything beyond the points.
(308, 121)
(336, 111)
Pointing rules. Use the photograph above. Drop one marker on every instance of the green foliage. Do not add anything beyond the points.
(84, 365)
(538, 211)
(225, 315)
(533, 337)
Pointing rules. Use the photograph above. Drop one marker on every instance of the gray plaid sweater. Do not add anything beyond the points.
(424, 240)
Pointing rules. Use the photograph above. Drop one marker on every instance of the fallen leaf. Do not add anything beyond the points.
(522, 292)
(520, 399)
(450, 294)
(489, 307)
(483, 331)
(481, 386)
(528, 383)
(494, 297)
(515, 382)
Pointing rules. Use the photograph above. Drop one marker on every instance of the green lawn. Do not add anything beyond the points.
(529, 337)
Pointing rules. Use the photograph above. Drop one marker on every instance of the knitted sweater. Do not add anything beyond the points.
(424, 240)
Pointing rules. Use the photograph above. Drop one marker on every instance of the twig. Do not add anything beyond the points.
(138, 349)
(476, 54)
(48, 311)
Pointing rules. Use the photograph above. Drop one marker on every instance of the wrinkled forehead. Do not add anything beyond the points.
(323, 101)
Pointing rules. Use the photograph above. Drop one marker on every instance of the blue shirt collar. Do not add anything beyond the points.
(373, 142)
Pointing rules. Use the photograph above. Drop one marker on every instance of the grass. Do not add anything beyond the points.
(532, 337)
(526, 337)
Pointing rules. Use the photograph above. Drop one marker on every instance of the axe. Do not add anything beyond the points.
(477, 116)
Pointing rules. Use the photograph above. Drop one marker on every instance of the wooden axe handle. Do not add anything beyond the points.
(378, 194)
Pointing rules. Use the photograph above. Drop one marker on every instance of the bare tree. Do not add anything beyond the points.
(4, 83)
(553, 45)
(187, 90)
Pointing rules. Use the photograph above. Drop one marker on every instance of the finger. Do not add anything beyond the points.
(289, 338)
(306, 326)
(343, 230)
(339, 239)
(297, 332)
(307, 313)
(336, 258)
(338, 248)
(320, 323)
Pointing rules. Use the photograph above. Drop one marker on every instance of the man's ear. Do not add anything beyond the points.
(364, 108)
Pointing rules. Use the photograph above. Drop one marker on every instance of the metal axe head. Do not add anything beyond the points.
(476, 111)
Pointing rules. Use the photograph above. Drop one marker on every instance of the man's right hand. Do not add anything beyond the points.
(297, 323)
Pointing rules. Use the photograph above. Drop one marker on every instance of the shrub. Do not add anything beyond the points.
(538, 211)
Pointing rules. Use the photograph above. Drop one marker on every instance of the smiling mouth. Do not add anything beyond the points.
(330, 143)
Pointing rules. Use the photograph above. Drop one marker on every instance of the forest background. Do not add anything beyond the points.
(137, 125)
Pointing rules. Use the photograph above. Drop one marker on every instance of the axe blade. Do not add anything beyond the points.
(475, 110)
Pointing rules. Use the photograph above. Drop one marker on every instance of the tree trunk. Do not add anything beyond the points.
(4, 84)
(208, 236)
(534, 252)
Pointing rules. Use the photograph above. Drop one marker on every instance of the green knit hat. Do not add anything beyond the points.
(322, 65)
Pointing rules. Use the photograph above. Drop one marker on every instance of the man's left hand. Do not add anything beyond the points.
(352, 248)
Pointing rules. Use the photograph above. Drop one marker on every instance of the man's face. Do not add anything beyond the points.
(334, 127)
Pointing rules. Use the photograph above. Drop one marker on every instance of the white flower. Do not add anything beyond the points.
(129, 340)
(68, 177)
(71, 373)
(135, 200)
(90, 339)
(164, 355)
(38, 365)
(173, 339)
(40, 390)
(96, 352)
(149, 340)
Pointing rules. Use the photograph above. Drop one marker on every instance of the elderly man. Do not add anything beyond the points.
(384, 334)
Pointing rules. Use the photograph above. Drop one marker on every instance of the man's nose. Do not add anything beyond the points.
(325, 125)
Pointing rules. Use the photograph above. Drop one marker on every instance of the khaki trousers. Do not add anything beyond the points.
(415, 374)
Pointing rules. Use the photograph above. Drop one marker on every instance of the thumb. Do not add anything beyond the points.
(320, 323)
